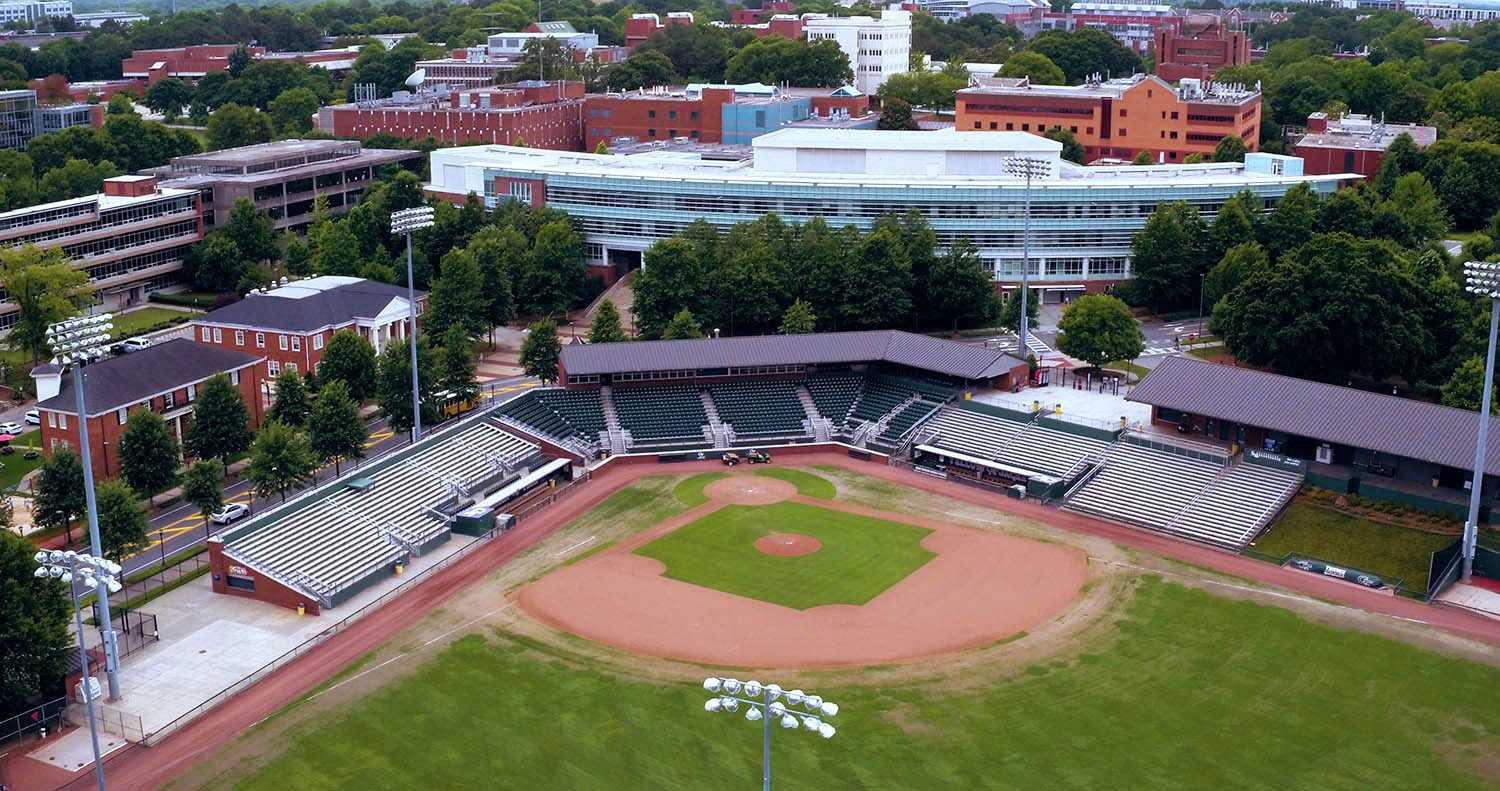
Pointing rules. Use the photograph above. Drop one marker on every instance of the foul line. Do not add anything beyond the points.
(401, 656)
(584, 542)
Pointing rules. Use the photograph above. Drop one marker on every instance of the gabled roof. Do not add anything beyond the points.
(122, 381)
(306, 305)
(1328, 413)
(949, 358)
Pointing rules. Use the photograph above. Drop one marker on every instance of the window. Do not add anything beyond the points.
(291, 367)
(993, 124)
(192, 393)
(672, 133)
(168, 401)
(672, 115)
(52, 420)
(1124, 112)
(650, 133)
(1090, 130)
(1073, 129)
(260, 340)
(1025, 127)
(239, 337)
(296, 343)
(234, 376)
(207, 335)
(318, 341)
(1174, 115)
(121, 415)
(976, 125)
(218, 335)
(1123, 133)
(1009, 127)
(239, 583)
(62, 420)
(650, 113)
(760, 119)
(282, 338)
(693, 115)
(274, 367)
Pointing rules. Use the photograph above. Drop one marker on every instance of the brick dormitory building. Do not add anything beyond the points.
(166, 378)
(288, 327)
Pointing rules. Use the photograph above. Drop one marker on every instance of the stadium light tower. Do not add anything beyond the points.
(764, 702)
(1027, 168)
(78, 341)
(1481, 279)
(94, 572)
(408, 222)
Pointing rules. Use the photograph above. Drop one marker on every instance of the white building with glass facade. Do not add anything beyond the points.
(876, 48)
(33, 11)
(1082, 217)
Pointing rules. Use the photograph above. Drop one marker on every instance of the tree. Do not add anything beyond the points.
(280, 460)
(122, 520)
(798, 320)
(393, 385)
(1098, 329)
(1232, 269)
(168, 96)
(1168, 257)
(234, 125)
(201, 489)
(456, 366)
(1230, 149)
(643, 69)
(1144, 158)
(960, 287)
(34, 620)
(59, 492)
(674, 277)
(931, 89)
(45, 289)
(1034, 65)
(606, 325)
(120, 104)
(878, 291)
(499, 253)
(252, 230)
(336, 250)
(292, 112)
(775, 60)
(895, 115)
(334, 428)
(602, 148)
(148, 454)
(221, 423)
(1293, 222)
(1072, 150)
(457, 298)
(1401, 157)
(682, 326)
(1422, 215)
(350, 359)
(217, 263)
(291, 405)
(1083, 52)
(1234, 224)
(1010, 311)
(553, 276)
(1465, 388)
(540, 350)
(75, 179)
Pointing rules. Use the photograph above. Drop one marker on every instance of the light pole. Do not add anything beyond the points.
(95, 572)
(78, 341)
(764, 702)
(1482, 279)
(407, 222)
(1202, 281)
(1027, 168)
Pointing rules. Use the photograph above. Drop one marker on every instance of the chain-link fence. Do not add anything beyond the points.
(33, 720)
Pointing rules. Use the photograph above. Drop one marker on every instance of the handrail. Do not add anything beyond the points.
(1086, 477)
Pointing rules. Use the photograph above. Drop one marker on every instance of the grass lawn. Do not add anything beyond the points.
(860, 556)
(690, 490)
(1193, 692)
(1134, 369)
(1387, 550)
(137, 321)
(808, 484)
(17, 467)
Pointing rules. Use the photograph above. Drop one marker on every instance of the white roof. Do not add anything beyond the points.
(313, 285)
(885, 140)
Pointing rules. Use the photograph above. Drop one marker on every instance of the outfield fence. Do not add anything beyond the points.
(33, 720)
(1396, 584)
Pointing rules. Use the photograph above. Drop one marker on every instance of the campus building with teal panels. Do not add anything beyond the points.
(1082, 218)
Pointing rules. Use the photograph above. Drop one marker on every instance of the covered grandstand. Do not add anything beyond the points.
(327, 545)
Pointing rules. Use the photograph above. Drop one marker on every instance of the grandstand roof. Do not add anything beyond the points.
(161, 368)
(950, 358)
(1330, 413)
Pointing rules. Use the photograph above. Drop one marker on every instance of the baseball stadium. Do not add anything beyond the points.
(995, 592)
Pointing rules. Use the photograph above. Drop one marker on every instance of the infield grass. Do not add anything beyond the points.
(860, 556)
(690, 491)
(808, 484)
(1365, 544)
(1191, 691)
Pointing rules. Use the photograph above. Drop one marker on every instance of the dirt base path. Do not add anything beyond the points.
(982, 587)
(150, 768)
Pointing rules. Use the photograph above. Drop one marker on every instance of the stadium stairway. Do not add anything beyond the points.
(618, 439)
(822, 427)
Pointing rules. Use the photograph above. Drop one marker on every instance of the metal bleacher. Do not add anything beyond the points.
(665, 413)
(760, 408)
(354, 532)
(971, 433)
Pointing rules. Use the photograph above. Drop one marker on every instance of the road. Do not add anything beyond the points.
(181, 527)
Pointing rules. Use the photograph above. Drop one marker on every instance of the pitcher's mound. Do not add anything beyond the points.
(788, 545)
(750, 490)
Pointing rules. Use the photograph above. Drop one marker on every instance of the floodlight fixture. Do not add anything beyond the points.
(768, 704)
(406, 222)
(1482, 279)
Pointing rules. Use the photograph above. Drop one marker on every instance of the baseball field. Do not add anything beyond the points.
(1028, 657)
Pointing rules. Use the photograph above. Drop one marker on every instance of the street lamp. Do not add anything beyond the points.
(94, 572)
(79, 341)
(1482, 279)
(407, 222)
(767, 703)
(1026, 168)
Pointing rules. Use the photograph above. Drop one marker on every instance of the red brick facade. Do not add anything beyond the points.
(655, 117)
(547, 116)
(1199, 50)
(236, 579)
(298, 351)
(188, 63)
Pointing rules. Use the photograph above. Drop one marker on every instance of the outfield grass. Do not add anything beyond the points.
(16, 465)
(1307, 529)
(808, 484)
(690, 491)
(1194, 692)
(860, 556)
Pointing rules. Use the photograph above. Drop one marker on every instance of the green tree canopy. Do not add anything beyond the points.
(221, 423)
(122, 520)
(202, 490)
(233, 126)
(59, 492)
(280, 460)
(1168, 257)
(606, 325)
(1034, 65)
(457, 297)
(148, 454)
(334, 429)
(291, 405)
(34, 620)
(540, 351)
(1465, 388)
(682, 325)
(1230, 149)
(45, 289)
(393, 384)
(350, 359)
(292, 112)
(895, 115)
(798, 320)
(1099, 329)
(961, 288)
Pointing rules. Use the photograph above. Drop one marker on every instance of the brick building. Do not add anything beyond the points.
(640, 27)
(188, 63)
(289, 326)
(1203, 45)
(1354, 143)
(734, 114)
(280, 178)
(1119, 118)
(546, 114)
(166, 378)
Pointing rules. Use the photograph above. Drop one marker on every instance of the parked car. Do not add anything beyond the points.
(34, 417)
(229, 513)
(136, 344)
(11, 427)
